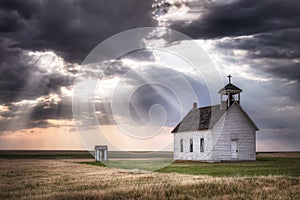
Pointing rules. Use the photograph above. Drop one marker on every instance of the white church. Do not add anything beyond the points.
(223, 132)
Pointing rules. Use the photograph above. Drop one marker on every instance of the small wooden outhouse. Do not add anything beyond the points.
(101, 153)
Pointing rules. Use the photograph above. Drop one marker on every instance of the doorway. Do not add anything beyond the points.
(234, 149)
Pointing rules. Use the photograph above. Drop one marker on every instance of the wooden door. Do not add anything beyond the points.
(234, 149)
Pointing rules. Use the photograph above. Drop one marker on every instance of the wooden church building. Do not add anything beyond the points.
(223, 132)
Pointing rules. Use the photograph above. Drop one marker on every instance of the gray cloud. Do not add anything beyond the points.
(31, 116)
(274, 26)
(269, 31)
(240, 18)
(21, 79)
(53, 110)
(16, 124)
(280, 139)
(70, 28)
(149, 93)
(281, 44)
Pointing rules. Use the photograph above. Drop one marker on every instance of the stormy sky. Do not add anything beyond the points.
(43, 45)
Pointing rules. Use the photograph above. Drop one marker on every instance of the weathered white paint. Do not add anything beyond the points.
(196, 154)
(233, 126)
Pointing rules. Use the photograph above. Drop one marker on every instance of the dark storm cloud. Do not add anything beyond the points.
(53, 110)
(47, 110)
(13, 73)
(242, 18)
(9, 21)
(21, 79)
(13, 14)
(273, 27)
(7, 114)
(290, 71)
(281, 44)
(31, 116)
(276, 52)
(70, 28)
(23, 8)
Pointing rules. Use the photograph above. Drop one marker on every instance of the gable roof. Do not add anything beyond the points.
(246, 115)
(200, 119)
(205, 118)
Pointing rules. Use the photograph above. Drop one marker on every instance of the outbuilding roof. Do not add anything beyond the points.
(101, 147)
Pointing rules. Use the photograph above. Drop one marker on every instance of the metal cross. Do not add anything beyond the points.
(229, 77)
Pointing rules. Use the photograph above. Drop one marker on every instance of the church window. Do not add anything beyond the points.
(202, 145)
(181, 145)
(191, 145)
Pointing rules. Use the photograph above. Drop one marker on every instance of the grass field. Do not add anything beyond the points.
(81, 178)
(264, 166)
(44, 154)
(148, 165)
(286, 164)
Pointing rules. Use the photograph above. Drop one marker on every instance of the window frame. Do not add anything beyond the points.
(181, 145)
(201, 145)
(191, 145)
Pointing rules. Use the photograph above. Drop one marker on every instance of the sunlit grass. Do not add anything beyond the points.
(140, 164)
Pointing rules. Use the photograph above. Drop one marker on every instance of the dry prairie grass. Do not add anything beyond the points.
(65, 179)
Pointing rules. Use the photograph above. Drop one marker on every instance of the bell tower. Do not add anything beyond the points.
(229, 94)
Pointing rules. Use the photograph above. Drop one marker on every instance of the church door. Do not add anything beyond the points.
(234, 149)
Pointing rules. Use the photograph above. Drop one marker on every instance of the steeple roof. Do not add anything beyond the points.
(230, 88)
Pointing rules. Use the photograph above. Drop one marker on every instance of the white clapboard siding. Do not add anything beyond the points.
(234, 125)
(196, 154)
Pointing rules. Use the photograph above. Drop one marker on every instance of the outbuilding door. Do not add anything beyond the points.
(234, 149)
